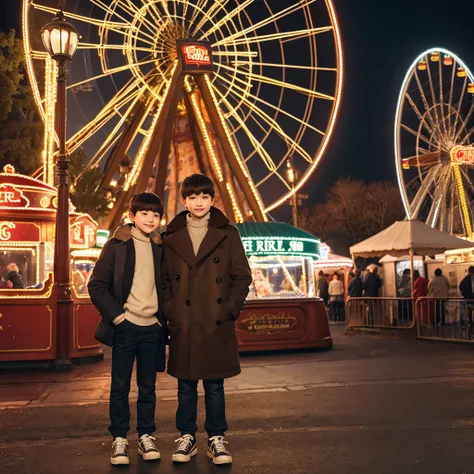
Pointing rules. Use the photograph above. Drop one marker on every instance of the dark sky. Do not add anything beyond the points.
(381, 39)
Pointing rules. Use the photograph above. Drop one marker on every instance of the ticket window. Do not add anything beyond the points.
(26, 259)
(281, 277)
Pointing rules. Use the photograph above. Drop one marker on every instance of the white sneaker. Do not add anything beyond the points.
(119, 454)
(147, 449)
(186, 449)
(218, 451)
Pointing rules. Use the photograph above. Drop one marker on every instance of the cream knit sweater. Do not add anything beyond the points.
(197, 229)
(141, 306)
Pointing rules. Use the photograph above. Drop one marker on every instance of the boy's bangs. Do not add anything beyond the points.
(200, 189)
(146, 202)
(150, 206)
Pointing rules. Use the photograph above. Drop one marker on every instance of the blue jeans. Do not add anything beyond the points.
(186, 416)
(130, 342)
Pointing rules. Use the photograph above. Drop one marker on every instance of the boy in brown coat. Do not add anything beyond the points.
(206, 278)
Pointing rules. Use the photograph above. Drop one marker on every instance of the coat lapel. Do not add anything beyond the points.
(211, 240)
(181, 243)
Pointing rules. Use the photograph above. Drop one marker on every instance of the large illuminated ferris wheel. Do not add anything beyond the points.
(434, 149)
(235, 89)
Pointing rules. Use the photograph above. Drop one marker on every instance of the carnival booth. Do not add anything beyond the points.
(282, 310)
(28, 315)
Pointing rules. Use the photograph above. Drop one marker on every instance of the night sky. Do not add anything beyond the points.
(381, 39)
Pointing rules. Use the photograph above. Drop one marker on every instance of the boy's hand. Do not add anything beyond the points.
(119, 319)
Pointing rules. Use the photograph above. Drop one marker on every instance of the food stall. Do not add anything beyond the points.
(282, 310)
(28, 315)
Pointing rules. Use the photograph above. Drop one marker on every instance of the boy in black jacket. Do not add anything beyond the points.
(125, 287)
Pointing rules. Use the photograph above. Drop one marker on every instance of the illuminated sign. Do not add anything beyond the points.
(19, 232)
(12, 197)
(268, 323)
(83, 232)
(196, 56)
(271, 246)
(462, 155)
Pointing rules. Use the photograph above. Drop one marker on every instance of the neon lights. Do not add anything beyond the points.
(5, 230)
(462, 155)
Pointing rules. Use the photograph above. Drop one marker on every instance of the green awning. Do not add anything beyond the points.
(278, 238)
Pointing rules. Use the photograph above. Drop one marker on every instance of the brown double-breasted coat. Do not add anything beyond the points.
(204, 294)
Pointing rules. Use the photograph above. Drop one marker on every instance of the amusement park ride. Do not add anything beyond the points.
(160, 89)
(434, 149)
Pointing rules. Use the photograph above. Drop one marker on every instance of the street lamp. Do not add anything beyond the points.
(61, 39)
(291, 176)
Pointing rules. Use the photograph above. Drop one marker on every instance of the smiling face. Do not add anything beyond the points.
(198, 204)
(146, 221)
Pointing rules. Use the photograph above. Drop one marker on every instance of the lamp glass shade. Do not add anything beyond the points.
(60, 39)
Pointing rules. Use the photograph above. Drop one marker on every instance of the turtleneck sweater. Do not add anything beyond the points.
(141, 306)
(197, 229)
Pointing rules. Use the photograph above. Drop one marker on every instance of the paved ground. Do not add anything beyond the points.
(371, 405)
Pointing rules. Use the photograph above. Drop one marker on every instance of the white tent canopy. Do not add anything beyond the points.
(408, 237)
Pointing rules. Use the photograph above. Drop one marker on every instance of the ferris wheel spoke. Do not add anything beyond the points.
(433, 99)
(280, 84)
(419, 114)
(274, 126)
(458, 110)
(131, 10)
(225, 19)
(111, 47)
(268, 104)
(441, 97)
(267, 21)
(284, 66)
(464, 126)
(127, 93)
(433, 121)
(423, 191)
(276, 36)
(111, 72)
(415, 134)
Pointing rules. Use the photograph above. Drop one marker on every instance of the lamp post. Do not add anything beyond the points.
(291, 175)
(60, 39)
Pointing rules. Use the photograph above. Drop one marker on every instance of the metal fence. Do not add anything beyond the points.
(380, 313)
(445, 319)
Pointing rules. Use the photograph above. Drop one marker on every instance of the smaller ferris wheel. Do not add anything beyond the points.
(434, 150)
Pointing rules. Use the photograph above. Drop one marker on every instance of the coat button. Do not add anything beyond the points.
(177, 277)
(188, 303)
(216, 260)
(218, 280)
(219, 300)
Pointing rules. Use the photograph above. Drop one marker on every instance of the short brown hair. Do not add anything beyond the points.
(197, 184)
(145, 202)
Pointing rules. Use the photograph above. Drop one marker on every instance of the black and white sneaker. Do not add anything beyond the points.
(147, 449)
(186, 449)
(218, 451)
(119, 454)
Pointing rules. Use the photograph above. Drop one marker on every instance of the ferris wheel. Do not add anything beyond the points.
(252, 84)
(433, 142)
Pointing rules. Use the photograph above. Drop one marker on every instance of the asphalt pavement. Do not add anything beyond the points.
(373, 404)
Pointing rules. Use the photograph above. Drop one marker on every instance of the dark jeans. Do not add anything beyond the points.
(130, 342)
(186, 416)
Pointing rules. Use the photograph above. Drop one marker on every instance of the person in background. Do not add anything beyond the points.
(420, 285)
(5, 285)
(404, 287)
(372, 284)
(405, 306)
(466, 287)
(323, 287)
(438, 288)
(14, 277)
(356, 285)
(336, 298)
